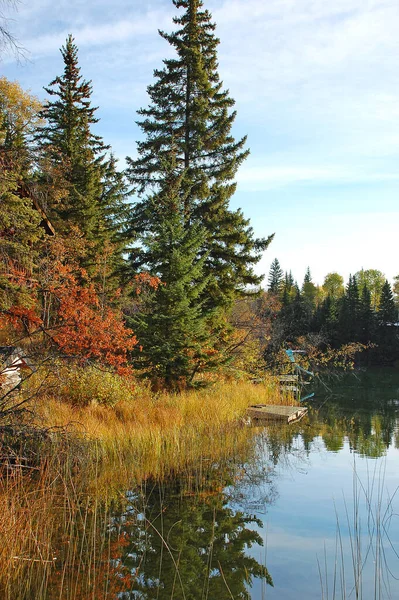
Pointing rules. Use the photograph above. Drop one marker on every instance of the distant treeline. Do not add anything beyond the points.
(364, 310)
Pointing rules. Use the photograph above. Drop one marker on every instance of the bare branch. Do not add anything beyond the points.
(8, 42)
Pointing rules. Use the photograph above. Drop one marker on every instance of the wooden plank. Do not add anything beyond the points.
(288, 378)
(288, 414)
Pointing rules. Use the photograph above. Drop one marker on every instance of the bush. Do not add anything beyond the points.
(83, 386)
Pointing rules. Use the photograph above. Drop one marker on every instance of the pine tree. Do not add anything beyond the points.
(366, 317)
(276, 278)
(190, 111)
(172, 325)
(309, 289)
(387, 334)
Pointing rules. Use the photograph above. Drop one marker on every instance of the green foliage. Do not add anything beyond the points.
(94, 192)
(276, 278)
(374, 280)
(172, 325)
(190, 113)
(309, 290)
(387, 311)
(333, 285)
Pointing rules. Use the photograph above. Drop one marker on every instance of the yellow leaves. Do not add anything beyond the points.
(18, 107)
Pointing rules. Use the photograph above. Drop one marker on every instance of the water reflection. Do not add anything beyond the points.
(185, 544)
(197, 535)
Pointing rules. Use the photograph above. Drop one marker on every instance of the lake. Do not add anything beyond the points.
(312, 508)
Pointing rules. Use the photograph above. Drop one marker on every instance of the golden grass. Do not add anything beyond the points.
(109, 449)
(161, 432)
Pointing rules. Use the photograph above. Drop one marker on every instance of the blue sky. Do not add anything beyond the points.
(316, 90)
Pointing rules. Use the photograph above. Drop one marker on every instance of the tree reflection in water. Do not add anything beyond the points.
(186, 544)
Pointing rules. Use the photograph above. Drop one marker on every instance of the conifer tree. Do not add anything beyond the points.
(172, 326)
(331, 319)
(366, 317)
(94, 191)
(387, 311)
(190, 111)
(309, 290)
(348, 319)
(276, 278)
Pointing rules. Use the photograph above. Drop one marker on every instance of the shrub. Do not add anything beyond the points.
(83, 386)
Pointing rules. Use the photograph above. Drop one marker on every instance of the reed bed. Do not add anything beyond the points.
(154, 434)
(55, 516)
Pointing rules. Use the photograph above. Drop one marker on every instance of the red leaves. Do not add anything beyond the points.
(83, 327)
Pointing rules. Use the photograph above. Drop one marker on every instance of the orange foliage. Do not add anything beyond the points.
(82, 327)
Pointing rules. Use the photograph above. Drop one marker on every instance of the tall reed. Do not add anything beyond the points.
(56, 517)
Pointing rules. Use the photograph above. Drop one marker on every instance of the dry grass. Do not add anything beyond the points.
(53, 522)
(161, 432)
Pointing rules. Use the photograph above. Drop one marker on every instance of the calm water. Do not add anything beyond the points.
(313, 506)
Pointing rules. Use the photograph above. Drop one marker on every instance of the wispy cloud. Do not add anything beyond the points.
(104, 34)
(258, 178)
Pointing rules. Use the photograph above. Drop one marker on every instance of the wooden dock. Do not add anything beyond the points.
(270, 412)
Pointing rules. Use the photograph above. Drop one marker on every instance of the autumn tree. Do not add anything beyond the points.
(19, 220)
(190, 111)
(333, 285)
(374, 280)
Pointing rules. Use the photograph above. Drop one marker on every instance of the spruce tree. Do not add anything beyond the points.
(387, 311)
(387, 334)
(309, 290)
(190, 111)
(349, 312)
(276, 278)
(366, 317)
(94, 190)
(172, 325)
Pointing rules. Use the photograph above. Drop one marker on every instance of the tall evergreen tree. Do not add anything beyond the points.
(387, 334)
(348, 318)
(366, 317)
(387, 311)
(309, 290)
(95, 192)
(276, 278)
(189, 110)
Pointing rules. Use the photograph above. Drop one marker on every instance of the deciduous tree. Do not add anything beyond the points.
(19, 221)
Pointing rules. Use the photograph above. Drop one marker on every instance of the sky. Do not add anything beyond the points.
(316, 85)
